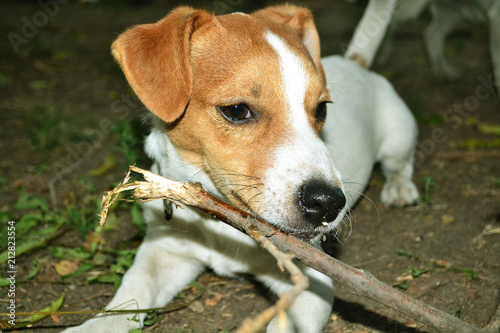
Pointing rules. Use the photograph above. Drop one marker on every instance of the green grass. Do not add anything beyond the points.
(36, 223)
(130, 134)
(46, 123)
(427, 200)
(33, 222)
(428, 266)
(415, 105)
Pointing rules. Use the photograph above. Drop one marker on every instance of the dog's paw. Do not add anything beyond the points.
(106, 324)
(399, 193)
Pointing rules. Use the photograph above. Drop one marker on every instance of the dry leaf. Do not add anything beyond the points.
(94, 237)
(403, 278)
(197, 307)
(214, 300)
(444, 263)
(55, 319)
(447, 219)
(491, 230)
(65, 267)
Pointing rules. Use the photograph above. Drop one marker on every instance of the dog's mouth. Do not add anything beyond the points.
(311, 235)
(306, 237)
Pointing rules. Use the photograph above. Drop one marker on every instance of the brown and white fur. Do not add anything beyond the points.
(239, 105)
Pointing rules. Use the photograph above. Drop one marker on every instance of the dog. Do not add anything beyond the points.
(239, 104)
(383, 16)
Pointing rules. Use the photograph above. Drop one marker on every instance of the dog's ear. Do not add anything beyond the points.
(301, 20)
(155, 59)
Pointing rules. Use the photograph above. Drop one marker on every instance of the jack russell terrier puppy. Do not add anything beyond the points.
(240, 105)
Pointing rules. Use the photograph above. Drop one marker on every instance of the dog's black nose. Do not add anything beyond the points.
(320, 202)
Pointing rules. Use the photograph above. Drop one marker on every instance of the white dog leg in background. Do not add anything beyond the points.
(370, 31)
(406, 10)
(494, 18)
(444, 19)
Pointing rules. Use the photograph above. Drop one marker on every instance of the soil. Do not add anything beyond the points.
(58, 100)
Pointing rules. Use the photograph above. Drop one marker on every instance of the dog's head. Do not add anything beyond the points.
(244, 99)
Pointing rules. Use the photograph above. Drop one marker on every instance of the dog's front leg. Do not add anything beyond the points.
(156, 276)
(444, 19)
(311, 310)
(405, 11)
(494, 18)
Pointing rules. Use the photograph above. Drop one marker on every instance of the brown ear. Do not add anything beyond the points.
(301, 20)
(155, 60)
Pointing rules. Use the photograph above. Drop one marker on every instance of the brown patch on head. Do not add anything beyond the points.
(255, 90)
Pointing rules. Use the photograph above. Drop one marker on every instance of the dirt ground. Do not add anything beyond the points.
(61, 92)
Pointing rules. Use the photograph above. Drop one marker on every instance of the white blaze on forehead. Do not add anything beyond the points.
(304, 142)
(294, 78)
(302, 157)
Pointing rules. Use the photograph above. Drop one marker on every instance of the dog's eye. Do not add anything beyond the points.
(236, 113)
(321, 111)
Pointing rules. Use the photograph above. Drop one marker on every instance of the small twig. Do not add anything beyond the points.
(164, 309)
(465, 155)
(429, 208)
(91, 297)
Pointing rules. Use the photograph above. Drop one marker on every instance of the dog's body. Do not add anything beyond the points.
(248, 130)
(446, 14)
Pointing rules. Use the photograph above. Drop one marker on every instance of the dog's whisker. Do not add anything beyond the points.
(347, 221)
(254, 196)
(335, 235)
(372, 203)
(229, 172)
(244, 186)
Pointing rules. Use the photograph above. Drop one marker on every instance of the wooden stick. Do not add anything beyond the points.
(358, 281)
